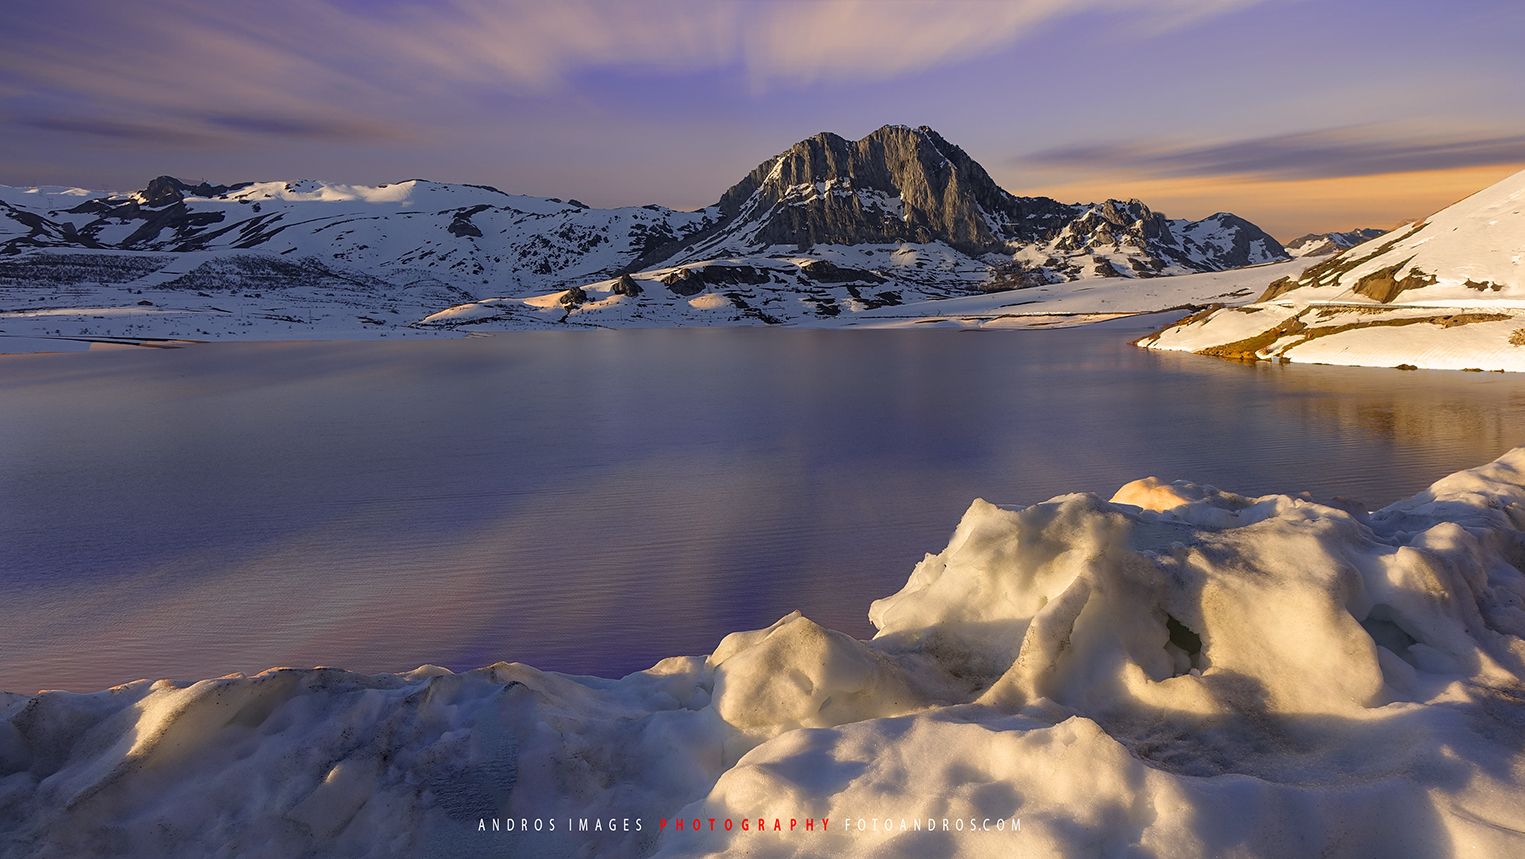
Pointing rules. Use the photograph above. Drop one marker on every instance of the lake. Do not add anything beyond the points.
(593, 501)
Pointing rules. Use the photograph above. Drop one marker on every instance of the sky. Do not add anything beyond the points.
(1301, 115)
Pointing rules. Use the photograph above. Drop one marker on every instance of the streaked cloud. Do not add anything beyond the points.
(805, 41)
(105, 129)
(1320, 154)
(1207, 103)
(314, 127)
(317, 70)
(205, 130)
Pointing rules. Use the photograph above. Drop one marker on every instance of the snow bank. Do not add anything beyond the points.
(1178, 670)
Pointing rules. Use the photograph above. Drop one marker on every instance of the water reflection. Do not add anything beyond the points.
(594, 501)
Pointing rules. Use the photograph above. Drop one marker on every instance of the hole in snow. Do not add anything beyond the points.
(1383, 627)
(1184, 647)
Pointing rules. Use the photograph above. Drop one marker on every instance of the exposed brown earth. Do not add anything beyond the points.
(1384, 285)
(1250, 347)
(1330, 270)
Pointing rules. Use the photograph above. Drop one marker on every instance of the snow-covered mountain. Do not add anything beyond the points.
(833, 226)
(473, 238)
(909, 185)
(1320, 244)
(825, 228)
(1445, 292)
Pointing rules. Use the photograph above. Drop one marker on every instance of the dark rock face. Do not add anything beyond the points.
(163, 191)
(461, 224)
(1106, 268)
(824, 271)
(684, 282)
(41, 232)
(464, 227)
(625, 285)
(167, 191)
(692, 281)
(733, 275)
(901, 184)
(574, 297)
(897, 184)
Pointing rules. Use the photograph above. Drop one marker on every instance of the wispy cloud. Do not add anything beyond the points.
(205, 130)
(104, 129)
(804, 41)
(317, 70)
(1320, 154)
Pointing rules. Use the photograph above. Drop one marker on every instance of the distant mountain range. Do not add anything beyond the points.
(830, 226)
(1320, 244)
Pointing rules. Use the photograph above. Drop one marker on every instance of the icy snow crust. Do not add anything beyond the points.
(1176, 671)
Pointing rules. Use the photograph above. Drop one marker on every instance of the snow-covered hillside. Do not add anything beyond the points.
(470, 238)
(816, 291)
(1447, 292)
(1179, 670)
(829, 228)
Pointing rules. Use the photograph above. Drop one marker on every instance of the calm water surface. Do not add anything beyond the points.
(594, 501)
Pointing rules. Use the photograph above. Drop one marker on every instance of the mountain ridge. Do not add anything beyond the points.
(904, 184)
(1319, 244)
(827, 226)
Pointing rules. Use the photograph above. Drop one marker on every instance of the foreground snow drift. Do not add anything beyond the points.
(1176, 671)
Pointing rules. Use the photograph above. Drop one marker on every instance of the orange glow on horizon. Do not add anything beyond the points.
(1285, 208)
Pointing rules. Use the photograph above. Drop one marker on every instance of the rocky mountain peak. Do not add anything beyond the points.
(901, 184)
(162, 191)
(167, 191)
(1115, 222)
(896, 184)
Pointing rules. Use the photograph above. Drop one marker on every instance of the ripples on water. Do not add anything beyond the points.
(594, 501)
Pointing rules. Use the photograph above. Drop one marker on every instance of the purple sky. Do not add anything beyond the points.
(1299, 114)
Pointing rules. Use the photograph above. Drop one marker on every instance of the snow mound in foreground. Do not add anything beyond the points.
(1176, 671)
